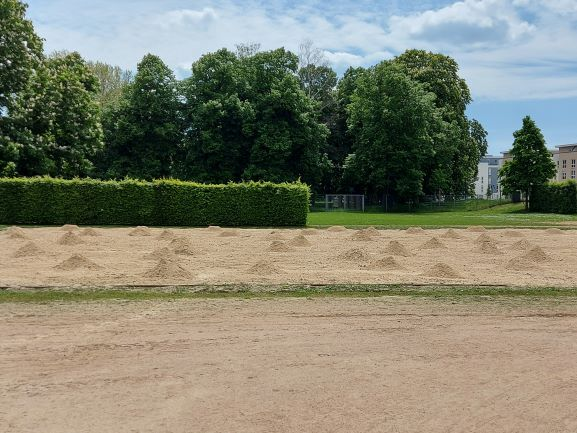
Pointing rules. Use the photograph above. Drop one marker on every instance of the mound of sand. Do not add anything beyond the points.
(213, 228)
(528, 261)
(337, 229)
(372, 231)
(451, 234)
(476, 229)
(386, 264)
(554, 231)
(396, 248)
(522, 245)
(29, 249)
(309, 232)
(279, 247)
(16, 233)
(488, 248)
(275, 235)
(442, 270)
(167, 269)
(513, 234)
(520, 264)
(140, 231)
(77, 261)
(70, 238)
(432, 244)
(354, 255)
(165, 235)
(362, 236)
(89, 232)
(414, 230)
(299, 241)
(229, 233)
(264, 267)
(160, 253)
(484, 238)
(535, 255)
(182, 247)
(69, 227)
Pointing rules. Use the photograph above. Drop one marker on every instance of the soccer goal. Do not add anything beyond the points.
(345, 202)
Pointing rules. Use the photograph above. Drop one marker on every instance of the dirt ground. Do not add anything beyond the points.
(71, 256)
(289, 365)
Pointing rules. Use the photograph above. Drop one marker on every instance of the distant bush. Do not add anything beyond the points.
(162, 202)
(555, 197)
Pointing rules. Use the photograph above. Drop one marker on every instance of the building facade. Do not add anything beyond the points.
(565, 160)
(487, 182)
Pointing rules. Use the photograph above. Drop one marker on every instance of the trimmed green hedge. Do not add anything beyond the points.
(48, 201)
(555, 197)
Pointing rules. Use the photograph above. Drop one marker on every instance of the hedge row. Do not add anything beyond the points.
(555, 197)
(48, 201)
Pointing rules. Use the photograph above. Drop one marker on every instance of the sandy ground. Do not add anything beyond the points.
(289, 365)
(123, 256)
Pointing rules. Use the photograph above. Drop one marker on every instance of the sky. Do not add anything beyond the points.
(519, 57)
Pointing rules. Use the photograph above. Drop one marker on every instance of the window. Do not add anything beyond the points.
(563, 175)
(564, 163)
(572, 163)
(572, 174)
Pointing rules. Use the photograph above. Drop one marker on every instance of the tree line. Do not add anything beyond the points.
(398, 128)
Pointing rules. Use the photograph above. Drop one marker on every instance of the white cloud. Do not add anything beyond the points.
(187, 16)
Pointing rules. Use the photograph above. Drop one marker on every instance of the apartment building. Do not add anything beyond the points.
(488, 176)
(565, 161)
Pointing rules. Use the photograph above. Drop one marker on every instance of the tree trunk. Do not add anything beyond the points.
(527, 200)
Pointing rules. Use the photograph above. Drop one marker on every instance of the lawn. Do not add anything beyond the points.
(507, 215)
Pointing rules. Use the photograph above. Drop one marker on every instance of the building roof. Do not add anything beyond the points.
(566, 145)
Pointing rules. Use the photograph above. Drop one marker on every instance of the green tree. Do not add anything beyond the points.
(55, 120)
(531, 164)
(144, 131)
(112, 81)
(392, 119)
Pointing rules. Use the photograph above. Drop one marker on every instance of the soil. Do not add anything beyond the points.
(289, 365)
(209, 258)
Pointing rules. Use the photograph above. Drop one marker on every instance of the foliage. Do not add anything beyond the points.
(54, 122)
(555, 197)
(162, 202)
(531, 164)
(143, 132)
(112, 80)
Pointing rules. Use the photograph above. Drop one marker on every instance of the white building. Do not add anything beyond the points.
(488, 176)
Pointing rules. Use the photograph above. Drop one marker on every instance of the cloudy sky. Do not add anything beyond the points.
(519, 57)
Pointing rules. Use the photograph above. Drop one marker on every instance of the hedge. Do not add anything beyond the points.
(49, 201)
(555, 197)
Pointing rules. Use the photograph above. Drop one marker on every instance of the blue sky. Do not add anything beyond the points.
(519, 57)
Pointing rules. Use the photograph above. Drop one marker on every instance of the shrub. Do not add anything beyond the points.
(162, 202)
(555, 197)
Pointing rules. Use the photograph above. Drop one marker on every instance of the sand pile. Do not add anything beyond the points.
(554, 231)
(182, 247)
(414, 230)
(513, 234)
(77, 261)
(16, 233)
(337, 229)
(529, 260)
(396, 248)
(140, 231)
(264, 267)
(354, 255)
(279, 247)
(488, 248)
(213, 228)
(165, 235)
(275, 235)
(432, 244)
(69, 227)
(362, 236)
(70, 238)
(522, 245)
(535, 255)
(229, 233)
(442, 270)
(476, 229)
(451, 234)
(372, 231)
(89, 232)
(160, 253)
(309, 232)
(484, 238)
(29, 249)
(167, 269)
(386, 264)
(299, 241)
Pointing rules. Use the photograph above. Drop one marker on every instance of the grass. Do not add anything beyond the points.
(507, 215)
(287, 291)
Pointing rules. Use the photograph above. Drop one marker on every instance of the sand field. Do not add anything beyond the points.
(289, 365)
(70, 256)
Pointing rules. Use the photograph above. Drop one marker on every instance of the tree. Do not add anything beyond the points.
(531, 164)
(55, 120)
(112, 80)
(392, 119)
(144, 132)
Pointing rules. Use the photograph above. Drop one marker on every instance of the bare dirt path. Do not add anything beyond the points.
(289, 365)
